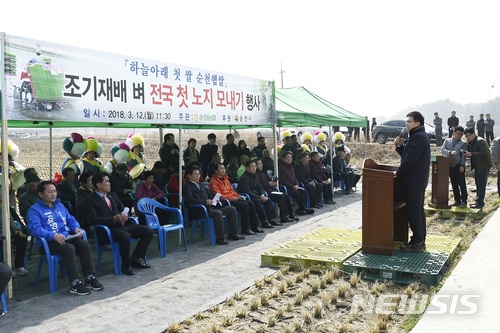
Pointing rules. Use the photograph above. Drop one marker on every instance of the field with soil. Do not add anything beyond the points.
(296, 299)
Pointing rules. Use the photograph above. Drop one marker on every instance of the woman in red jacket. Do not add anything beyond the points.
(147, 189)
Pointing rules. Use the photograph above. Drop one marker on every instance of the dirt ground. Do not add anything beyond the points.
(294, 299)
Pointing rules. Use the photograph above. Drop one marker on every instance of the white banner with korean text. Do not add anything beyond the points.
(45, 81)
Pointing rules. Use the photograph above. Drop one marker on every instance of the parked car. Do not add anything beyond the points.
(393, 128)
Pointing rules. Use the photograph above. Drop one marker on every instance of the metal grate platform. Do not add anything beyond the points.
(471, 213)
(341, 247)
(326, 245)
(404, 268)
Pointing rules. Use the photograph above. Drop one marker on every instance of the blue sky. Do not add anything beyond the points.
(370, 57)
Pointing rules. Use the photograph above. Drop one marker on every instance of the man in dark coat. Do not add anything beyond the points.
(249, 183)
(206, 152)
(414, 171)
(317, 171)
(66, 190)
(195, 194)
(480, 125)
(107, 209)
(261, 146)
(453, 122)
(304, 176)
(288, 179)
(481, 162)
(229, 149)
(169, 152)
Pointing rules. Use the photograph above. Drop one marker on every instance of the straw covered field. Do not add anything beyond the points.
(295, 299)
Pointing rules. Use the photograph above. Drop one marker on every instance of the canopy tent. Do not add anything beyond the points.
(300, 107)
(48, 85)
(72, 124)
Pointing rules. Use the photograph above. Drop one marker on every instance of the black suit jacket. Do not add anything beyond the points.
(98, 211)
(193, 195)
(67, 192)
(250, 184)
(302, 173)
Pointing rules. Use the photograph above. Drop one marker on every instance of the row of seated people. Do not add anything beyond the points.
(319, 167)
(49, 219)
(78, 205)
(123, 186)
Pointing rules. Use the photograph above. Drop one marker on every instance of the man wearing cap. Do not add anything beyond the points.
(480, 161)
(452, 123)
(28, 198)
(66, 190)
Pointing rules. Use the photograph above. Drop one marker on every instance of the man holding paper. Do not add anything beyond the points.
(104, 208)
(195, 194)
(49, 219)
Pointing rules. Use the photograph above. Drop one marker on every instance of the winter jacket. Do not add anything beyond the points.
(45, 221)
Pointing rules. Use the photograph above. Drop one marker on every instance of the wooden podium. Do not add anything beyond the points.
(440, 182)
(384, 211)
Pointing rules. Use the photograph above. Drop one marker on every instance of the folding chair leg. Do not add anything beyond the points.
(31, 247)
(162, 242)
(184, 236)
(193, 229)
(39, 271)
(116, 258)
(211, 230)
(4, 303)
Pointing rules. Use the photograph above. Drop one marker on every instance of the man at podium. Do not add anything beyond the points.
(455, 149)
(415, 155)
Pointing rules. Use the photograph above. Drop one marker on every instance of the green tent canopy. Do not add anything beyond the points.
(300, 107)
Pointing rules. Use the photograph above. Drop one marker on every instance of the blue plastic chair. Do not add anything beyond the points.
(204, 221)
(115, 247)
(285, 190)
(4, 303)
(245, 195)
(52, 262)
(147, 207)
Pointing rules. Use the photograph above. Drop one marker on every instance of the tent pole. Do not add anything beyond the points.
(331, 154)
(5, 167)
(161, 136)
(367, 139)
(50, 150)
(180, 175)
(275, 153)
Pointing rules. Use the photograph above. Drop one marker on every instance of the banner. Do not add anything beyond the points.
(48, 82)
